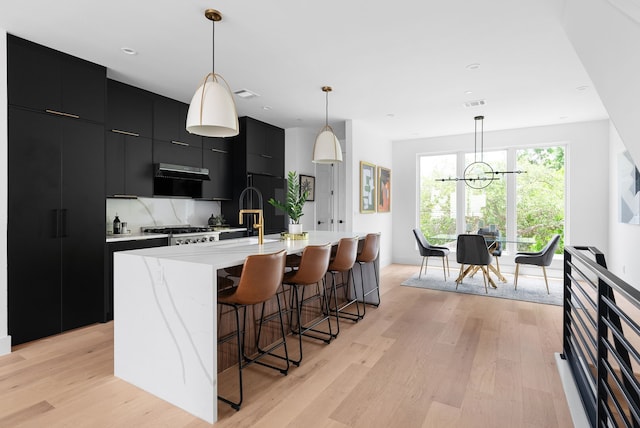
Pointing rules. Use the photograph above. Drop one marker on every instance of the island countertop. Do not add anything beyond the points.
(165, 314)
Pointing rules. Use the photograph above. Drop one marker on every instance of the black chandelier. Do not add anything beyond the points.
(479, 174)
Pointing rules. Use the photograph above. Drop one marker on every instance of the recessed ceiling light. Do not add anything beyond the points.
(468, 92)
(246, 94)
(473, 66)
(129, 51)
(563, 117)
(266, 107)
(582, 88)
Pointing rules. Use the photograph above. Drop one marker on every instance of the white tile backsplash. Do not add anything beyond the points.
(142, 212)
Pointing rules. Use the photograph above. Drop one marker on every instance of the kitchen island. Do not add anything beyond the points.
(165, 307)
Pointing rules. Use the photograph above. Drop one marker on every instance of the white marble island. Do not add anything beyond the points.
(165, 308)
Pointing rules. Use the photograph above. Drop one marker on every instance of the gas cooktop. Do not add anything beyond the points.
(175, 230)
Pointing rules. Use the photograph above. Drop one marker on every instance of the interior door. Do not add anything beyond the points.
(328, 197)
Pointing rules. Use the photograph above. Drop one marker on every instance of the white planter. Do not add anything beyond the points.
(295, 229)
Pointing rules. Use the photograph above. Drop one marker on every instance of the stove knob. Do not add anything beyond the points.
(178, 241)
(203, 239)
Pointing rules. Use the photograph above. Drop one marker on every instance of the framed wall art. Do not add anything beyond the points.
(384, 189)
(308, 182)
(367, 187)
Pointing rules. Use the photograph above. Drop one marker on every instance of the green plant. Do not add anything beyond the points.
(296, 197)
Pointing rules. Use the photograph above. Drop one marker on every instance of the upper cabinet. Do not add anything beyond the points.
(216, 156)
(264, 145)
(47, 80)
(129, 152)
(169, 122)
(129, 110)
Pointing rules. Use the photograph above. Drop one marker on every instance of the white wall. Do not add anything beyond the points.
(624, 239)
(5, 340)
(587, 212)
(365, 144)
(298, 154)
(607, 42)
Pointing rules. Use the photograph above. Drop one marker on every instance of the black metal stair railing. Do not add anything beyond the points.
(601, 338)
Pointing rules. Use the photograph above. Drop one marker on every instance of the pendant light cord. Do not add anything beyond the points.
(326, 109)
(213, 48)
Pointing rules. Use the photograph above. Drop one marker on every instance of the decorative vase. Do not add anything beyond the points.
(295, 229)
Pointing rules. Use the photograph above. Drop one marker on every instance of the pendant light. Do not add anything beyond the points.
(327, 147)
(212, 111)
(479, 174)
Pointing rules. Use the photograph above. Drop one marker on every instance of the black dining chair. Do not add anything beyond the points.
(427, 250)
(494, 245)
(541, 258)
(471, 250)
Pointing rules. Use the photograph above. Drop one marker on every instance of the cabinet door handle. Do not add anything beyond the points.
(180, 143)
(266, 156)
(59, 113)
(219, 151)
(132, 134)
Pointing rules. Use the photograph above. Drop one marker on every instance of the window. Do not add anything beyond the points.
(519, 205)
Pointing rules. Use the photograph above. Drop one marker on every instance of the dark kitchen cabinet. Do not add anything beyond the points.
(258, 160)
(112, 247)
(264, 147)
(176, 153)
(129, 165)
(169, 122)
(43, 79)
(55, 225)
(129, 110)
(216, 157)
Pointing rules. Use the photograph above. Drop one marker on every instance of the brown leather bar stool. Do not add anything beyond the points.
(260, 279)
(343, 262)
(311, 271)
(369, 254)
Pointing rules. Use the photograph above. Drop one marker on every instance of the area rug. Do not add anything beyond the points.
(530, 288)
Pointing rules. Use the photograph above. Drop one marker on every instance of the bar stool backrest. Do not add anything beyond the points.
(261, 276)
(313, 265)
(370, 248)
(345, 255)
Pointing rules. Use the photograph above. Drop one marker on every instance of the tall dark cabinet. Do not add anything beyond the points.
(258, 161)
(56, 191)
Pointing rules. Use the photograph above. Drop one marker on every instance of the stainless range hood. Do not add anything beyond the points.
(169, 170)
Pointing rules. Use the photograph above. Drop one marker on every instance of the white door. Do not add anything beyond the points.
(324, 198)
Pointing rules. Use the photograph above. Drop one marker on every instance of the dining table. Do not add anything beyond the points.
(471, 270)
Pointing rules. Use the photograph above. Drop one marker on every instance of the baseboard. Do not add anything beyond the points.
(578, 415)
(5, 345)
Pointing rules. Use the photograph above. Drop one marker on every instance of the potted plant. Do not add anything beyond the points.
(292, 206)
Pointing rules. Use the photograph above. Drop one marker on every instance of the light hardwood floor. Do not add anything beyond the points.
(422, 359)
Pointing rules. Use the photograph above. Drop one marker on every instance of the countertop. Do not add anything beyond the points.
(232, 252)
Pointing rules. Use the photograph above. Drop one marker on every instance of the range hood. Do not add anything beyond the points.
(169, 170)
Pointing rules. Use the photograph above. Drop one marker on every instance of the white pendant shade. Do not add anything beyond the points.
(327, 147)
(212, 111)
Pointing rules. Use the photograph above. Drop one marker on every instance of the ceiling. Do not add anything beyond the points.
(400, 67)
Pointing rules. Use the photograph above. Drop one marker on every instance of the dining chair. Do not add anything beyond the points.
(541, 258)
(494, 245)
(427, 250)
(471, 250)
(259, 281)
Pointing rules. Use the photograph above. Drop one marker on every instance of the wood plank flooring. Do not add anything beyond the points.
(422, 359)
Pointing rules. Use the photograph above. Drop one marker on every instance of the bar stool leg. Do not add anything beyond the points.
(236, 405)
(376, 288)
